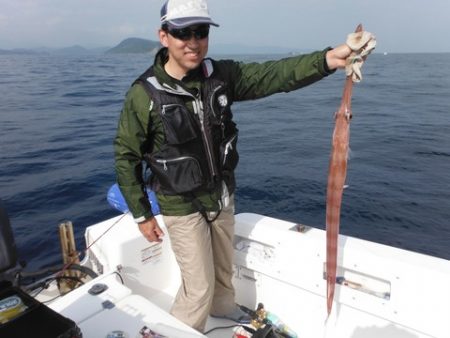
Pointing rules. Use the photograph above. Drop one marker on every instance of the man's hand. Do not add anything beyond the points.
(337, 56)
(352, 54)
(151, 230)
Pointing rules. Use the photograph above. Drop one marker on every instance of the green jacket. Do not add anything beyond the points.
(140, 127)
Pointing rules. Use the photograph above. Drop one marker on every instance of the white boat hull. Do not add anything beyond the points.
(386, 292)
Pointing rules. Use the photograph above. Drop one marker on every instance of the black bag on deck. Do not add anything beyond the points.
(22, 316)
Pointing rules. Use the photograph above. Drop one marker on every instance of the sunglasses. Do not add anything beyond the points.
(185, 34)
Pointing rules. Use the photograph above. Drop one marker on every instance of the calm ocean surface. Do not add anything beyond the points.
(58, 116)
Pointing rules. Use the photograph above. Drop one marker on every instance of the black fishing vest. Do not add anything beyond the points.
(199, 150)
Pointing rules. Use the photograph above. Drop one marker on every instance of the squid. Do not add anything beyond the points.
(337, 173)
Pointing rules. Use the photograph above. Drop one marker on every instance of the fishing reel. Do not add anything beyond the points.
(266, 324)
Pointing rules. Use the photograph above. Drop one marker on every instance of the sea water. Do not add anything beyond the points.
(58, 118)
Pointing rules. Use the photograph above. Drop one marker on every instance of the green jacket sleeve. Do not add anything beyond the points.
(129, 146)
(256, 80)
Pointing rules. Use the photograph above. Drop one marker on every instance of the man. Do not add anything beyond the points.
(177, 118)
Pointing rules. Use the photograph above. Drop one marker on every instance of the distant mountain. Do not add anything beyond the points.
(78, 50)
(16, 51)
(135, 45)
(139, 45)
(73, 50)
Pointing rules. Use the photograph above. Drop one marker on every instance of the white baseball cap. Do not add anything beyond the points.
(182, 13)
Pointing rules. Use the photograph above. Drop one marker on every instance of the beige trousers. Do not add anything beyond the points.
(204, 252)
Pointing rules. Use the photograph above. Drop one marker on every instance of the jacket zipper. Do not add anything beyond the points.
(198, 108)
(172, 160)
(163, 110)
(211, 101)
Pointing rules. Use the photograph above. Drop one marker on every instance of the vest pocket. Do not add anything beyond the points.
(177, 175)
(179, 125)
(229, 156)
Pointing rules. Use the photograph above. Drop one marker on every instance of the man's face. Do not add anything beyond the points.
(187, 48)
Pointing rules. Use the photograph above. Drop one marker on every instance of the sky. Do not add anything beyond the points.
(399, 25)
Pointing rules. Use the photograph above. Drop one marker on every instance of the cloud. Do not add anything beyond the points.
(54, 21)
(3, 20)
(400, 25)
